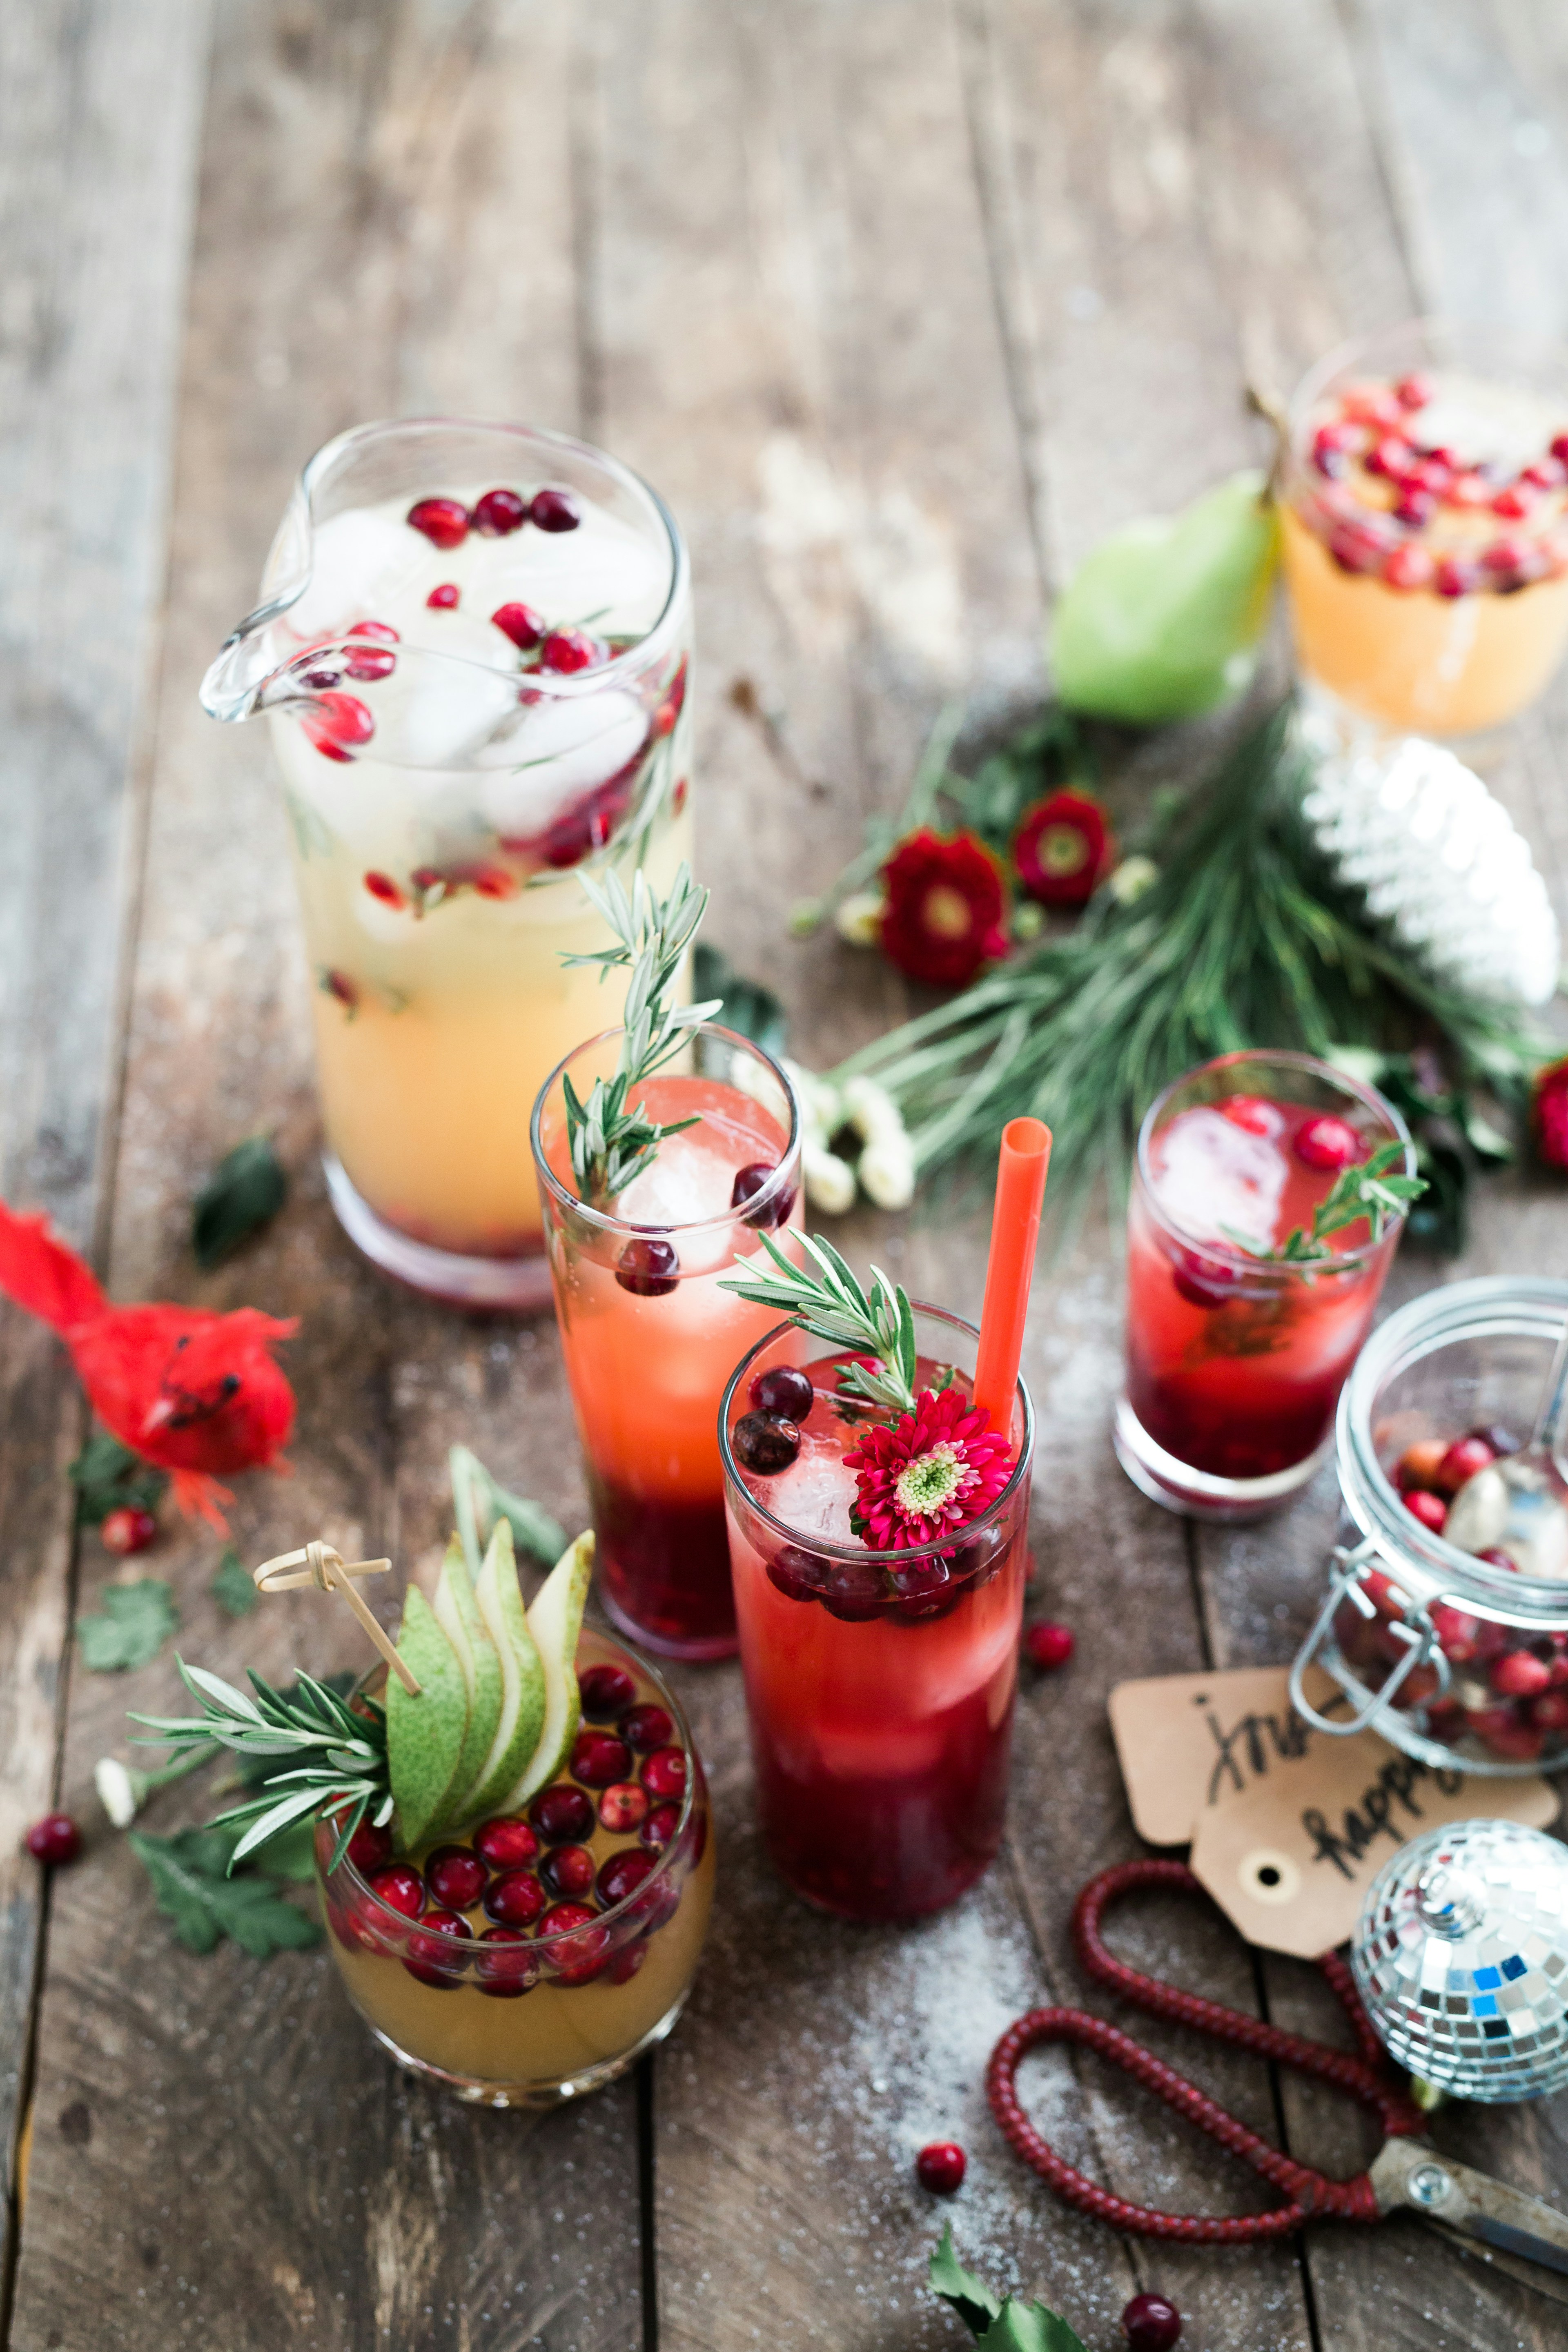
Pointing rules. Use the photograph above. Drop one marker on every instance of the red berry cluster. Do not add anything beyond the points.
(446, 522)
(1509, 1687)
(518, 1879)
(1388, 499)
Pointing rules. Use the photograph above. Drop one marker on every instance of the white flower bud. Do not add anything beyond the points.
(116, 1791)
(829, 1180)
(1131, 878)
(887, 1170)
(821, 1110)
(858, 918)
(871, 1111)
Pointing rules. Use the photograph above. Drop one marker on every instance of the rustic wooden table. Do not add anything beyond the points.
(901, 304)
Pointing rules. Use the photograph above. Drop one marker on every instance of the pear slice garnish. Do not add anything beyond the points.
(554, 1621)
(523, 1706)
(424, 1734)
(457, 1614)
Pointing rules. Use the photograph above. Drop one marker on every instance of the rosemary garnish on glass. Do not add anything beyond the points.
(612, 1139)
(832, 1304)
(1367, 1190)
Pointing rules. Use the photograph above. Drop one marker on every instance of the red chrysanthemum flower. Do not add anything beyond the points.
(1551, 1114)
(946, 907)
(1063, 848)
(932, 1471)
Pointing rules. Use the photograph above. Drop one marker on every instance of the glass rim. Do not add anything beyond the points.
(1436, 326)
(1226, 1253)
(901, 1555)
(1495, 1305)
(617, 1911)
(600, 1219)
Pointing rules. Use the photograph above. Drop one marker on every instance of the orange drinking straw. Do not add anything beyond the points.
(1010, 1268)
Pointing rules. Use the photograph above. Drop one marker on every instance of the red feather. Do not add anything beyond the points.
(195, 1393)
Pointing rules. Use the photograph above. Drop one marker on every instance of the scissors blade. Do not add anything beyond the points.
(1529, 2236)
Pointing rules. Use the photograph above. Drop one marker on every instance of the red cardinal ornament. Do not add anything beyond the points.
(195, 1393)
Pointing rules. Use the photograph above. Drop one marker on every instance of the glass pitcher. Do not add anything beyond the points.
(473, 649)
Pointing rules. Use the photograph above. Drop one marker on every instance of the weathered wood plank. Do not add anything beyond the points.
(98, 113)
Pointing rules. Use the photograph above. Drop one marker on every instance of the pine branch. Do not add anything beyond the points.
(832, 1304)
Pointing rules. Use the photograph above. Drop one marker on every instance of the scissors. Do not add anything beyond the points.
(1518, 2233)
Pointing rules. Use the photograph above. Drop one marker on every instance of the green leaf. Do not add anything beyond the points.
(107, 1474)
(970, 2297)
(244, 1193)
(1010, 2326)
(478, 1500)
(232, 1588)
(744, 1005)
(187, 1872)
(135, 1623)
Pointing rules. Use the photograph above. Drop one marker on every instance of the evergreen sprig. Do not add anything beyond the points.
(831, 1304)
(611, 1139)
(342, 1764)
(1367, 1190)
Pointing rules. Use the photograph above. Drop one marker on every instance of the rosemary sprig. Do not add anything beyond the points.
(1367, 1190)
(832, 1304)
(612, 1139)
(342, 1752)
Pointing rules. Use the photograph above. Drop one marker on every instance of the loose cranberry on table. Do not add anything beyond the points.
(940, 2167)
(507, 1844)
(622, 1807)
(55, 1839)
(561, 1814)
(1049, 1645)
(664, 1772)
(647, 1726)
(567, 1871)
(401, 1888)
(498, 514)
(1151, 2323)
(443, 521)
(785, 1390)
(605, 1691)
(126, 1529)
(515, 1899)
(1329, 1142)
(455, 1876)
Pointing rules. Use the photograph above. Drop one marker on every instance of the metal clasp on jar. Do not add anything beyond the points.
(1413, 1627)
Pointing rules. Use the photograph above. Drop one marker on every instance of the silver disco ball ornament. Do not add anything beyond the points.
(1461, 1960)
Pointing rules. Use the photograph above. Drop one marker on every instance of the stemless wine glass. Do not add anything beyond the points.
(473, 647)
(1234, 1362)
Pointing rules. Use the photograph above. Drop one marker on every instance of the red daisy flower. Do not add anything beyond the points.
(946, 907)
(1550, 1116)
(930, 1474)
(1063, 848)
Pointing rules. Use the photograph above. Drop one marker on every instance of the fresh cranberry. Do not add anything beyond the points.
(764, 1444)
(1413, 391)
(1049, 1645)
(382, 886)
(980, 1555)
(1549, 1712)
(626, 1963)
(339, 984)
(750, 1181)
(795, 1573)
(508, 1974)
(1357, 547)
(940, 2167)
(444, 598)
(506, 1842)
(1492, 1640)
(498, 514)
(647, 1726)
(785, 1390)
(1255, 1114)
(1514, 503)
(369, 1848)
(579, 1953)
(455, 1876)
(431, 1955)
(567, 1871)
(1429, 1508)
(1409, 567)
(664, 1772)
(1389, 456)
(1494, 1558)
(659, 1827)
(1330, 450)
(598, 1757)
(1415, 508)
(1151, 2323)
(1468, 492)
(566, 650)
(521, 624)
(622, 1875)
(1420, 1464)
(1205, 1282)
(854, 1593)
(648, 1268)
(1455, 577)
(1464, 1458)
(1519, 1674)
(335, 723)
(55, 1839)
(443, 521)
(1328, 1142)
(401, 1888)
(926, 1589)
(515, 1899)
(605, 1691)
(554, 510)
(624, 1806)
(376, 660)
(563, 1815)
(1456, 1629)
(1519, 1743)
(126, 1529)
(318, 680)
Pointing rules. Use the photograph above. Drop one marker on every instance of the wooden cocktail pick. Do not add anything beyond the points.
(321, 1564)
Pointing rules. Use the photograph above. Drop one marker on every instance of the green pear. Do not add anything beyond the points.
(1160, 620)
(555, 1620)
(424, 1734)
(457, 1612)
(523, 1706)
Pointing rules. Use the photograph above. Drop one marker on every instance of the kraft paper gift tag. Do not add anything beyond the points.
(1289, 1826)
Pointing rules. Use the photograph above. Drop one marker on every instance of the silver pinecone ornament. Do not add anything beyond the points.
(1438, 860)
